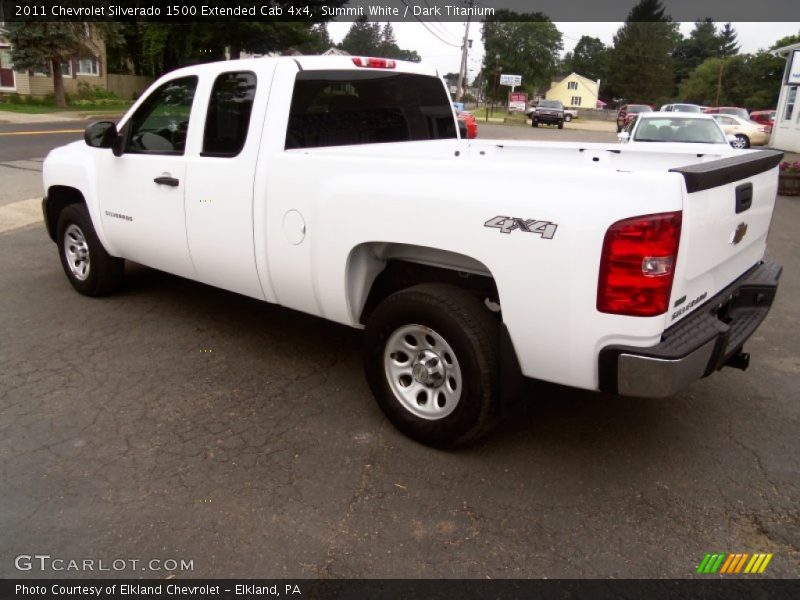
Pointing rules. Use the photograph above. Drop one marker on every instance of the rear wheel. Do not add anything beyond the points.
(431, 355)
(568, 118)
(534, 123)
(90, 269)
(742, 142)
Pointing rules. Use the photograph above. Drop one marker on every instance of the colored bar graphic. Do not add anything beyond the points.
(718, 562)
(734, 563)
(727, 564)
(740, 564)
(765, 563)
(702, 566)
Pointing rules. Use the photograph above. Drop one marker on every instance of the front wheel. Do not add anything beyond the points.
(90, 269)
(561, 124)
(431, 355)
(534, 124)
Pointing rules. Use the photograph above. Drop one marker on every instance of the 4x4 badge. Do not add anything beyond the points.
(546, 229)
(738, 235)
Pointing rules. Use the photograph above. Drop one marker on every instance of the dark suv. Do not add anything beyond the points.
(628, 112)
(550, 112)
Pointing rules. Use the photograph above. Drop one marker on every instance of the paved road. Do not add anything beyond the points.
(178, 421)
(35, 140)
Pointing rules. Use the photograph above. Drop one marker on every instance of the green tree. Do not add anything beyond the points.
(527, 44)
(49, 44)
(752, 81)
(589, 58)
(641, 65)
(363, 38)
(702, 43)
(728, 44)
(786, 41)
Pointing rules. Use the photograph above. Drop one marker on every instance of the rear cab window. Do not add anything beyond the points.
(228, 116)
(340, 108)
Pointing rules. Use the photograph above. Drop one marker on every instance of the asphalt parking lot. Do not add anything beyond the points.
(176, 421)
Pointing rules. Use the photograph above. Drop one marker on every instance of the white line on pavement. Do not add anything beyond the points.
(19, 214)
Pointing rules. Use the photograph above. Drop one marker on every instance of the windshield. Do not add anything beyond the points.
(698, 131)
(550, 104)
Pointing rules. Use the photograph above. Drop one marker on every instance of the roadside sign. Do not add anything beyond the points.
(512, 80)
(793, 74)
(517, 101)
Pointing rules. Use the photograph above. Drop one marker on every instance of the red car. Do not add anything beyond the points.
(472, 125)
(628, 112)
(764, 117)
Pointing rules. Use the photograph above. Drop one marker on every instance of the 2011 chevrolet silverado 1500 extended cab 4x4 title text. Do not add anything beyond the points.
(338, 186)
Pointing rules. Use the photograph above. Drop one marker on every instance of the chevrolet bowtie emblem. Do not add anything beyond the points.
(738, 235)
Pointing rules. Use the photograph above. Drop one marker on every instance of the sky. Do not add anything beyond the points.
(445, 53)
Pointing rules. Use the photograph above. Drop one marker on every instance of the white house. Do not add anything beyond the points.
(786, 131)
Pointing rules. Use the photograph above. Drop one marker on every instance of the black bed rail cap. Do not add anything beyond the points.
(704, 176)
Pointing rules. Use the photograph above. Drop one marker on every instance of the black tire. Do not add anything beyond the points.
(472, 332)
(561, 124)
(745, 139)
(105, 273)
(534, 124)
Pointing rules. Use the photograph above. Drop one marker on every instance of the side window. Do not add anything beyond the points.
(228, 118)
(338, 108)
(160, 124)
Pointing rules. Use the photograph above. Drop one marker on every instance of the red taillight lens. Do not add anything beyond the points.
(638, 264)
(374, 63)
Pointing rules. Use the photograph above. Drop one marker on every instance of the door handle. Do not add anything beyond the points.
(167, 180)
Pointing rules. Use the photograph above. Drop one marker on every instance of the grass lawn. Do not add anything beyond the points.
(515, 118)
(38, 109)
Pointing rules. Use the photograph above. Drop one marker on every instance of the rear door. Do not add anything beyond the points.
(727, 213)
(219, 191)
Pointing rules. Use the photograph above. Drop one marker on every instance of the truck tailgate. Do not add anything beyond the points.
(727, 212)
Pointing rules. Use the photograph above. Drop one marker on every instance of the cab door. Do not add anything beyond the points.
(219, 195)
(142, 191)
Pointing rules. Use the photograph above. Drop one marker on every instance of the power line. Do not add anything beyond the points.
(431, 31)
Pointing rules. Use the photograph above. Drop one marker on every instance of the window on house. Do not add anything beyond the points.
(88, 66)
(791, 98)
(572, 85)
(42, 70)
(576, 101)
(66, 68)
(228, 116)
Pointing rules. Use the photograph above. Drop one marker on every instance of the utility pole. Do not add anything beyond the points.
(462, 72)
(719, 81)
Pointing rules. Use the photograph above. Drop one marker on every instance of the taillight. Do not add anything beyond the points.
(374, 63)
(637, 265)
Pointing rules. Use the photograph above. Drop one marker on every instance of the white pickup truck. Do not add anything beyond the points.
(338, 186)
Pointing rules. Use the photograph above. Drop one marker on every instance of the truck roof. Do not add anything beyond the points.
(327, 63)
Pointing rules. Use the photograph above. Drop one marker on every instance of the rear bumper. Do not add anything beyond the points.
(698, 345)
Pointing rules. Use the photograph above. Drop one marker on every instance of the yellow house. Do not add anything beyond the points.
(574, 91)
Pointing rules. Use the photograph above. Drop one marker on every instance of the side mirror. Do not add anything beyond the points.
(623, 136)
(101, 134)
